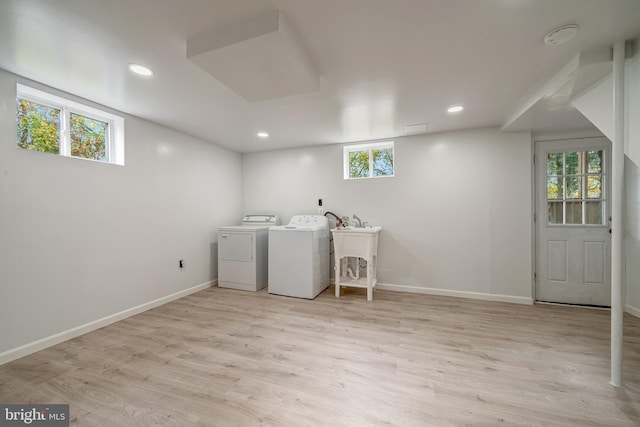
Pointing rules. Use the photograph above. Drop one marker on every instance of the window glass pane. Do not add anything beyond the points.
(555, 188)
(574, 184)
(383, 162)
(554, 164)
(595, 161)
(88, 138)
(593, 213)
(574, 213)
(555, 212)
(574, 164)
(594, 186)
(359, 164)
(38, 127)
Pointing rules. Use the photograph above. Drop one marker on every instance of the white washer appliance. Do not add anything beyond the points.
(243, 252)
(299, 257)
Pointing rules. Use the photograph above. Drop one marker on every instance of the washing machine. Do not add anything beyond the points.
(299, 257)
(243, 253)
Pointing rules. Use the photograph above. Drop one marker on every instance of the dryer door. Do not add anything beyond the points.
(236, 247)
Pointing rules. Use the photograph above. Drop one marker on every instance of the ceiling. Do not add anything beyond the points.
(382, 65)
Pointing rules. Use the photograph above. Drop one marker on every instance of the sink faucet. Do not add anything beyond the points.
(359, 223)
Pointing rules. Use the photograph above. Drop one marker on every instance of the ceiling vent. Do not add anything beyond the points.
(418, 128)
(258, 58)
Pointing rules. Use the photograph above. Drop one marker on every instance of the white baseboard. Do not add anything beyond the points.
(454, 293)
(43, 343)
(634, 311)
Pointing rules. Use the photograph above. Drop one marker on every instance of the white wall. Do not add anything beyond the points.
(457, 216)
(632, 236)
(81, 240)
(632, 185)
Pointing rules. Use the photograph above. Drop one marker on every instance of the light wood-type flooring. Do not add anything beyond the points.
(224, 358)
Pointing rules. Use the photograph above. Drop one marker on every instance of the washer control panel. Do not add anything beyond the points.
(315, 221)
(261, 220)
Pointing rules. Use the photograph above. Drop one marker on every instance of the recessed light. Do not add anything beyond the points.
(455, 109)
(141, 70)
(262, 135)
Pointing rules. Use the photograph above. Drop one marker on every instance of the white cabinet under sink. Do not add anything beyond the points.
(359, 243)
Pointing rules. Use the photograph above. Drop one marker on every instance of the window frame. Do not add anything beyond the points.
(370, 147)
(114, 147)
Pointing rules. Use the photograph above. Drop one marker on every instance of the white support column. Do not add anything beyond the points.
(617, 173)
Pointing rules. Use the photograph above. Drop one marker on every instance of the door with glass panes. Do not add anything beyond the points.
(573, 240)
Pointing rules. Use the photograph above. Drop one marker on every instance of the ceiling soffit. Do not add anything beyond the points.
(258, 58)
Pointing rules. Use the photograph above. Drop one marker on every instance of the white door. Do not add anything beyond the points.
(573, 240)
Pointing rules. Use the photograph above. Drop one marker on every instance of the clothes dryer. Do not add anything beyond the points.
(243, 253)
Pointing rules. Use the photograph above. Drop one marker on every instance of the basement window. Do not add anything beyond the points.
(51, 124)
(373, 160)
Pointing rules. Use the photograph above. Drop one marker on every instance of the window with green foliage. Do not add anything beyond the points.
(575, 183)
(368, 160)
(89, 137)
(50, 124)
(38, 127)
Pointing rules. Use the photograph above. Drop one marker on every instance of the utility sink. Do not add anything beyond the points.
(366, 229)
(359, 242)
(356, 242)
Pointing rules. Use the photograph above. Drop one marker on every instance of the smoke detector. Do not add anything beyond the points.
(560, 35)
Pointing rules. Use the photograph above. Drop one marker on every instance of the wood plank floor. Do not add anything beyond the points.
(224, 358)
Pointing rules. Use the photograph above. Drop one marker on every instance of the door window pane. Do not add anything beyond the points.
(574, 184)
(554, 164)
(595, 161)
(594, 186)
(574, 165)
(574, 213)
(593, 213)
(555, 188)
(555, 212)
